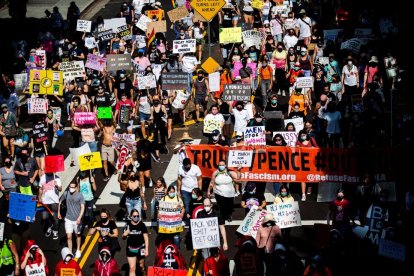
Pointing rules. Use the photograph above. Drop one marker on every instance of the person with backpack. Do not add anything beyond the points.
(9, 258)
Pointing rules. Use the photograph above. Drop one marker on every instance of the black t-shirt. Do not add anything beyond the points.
(214, 213)
(123, 86)
(194, 204)
(252, 199)
(110, 227)
(136, 234)
(102, 100)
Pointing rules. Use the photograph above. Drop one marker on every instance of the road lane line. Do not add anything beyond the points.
(85, 256)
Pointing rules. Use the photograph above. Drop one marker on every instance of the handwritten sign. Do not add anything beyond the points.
(95, 62)
(145, 82)
(304, 82)
(54, 163)
(76, 152)
(22, 207)
(353, 45)
(72, 69)
(40, 132)
(170, 217)
(155, 14)
(251, 222)
(211, 125)
(105, 112)
(124, 32)
(37, 106)
(90, 161)
(106, 35)
(252, 38)
(177, 13)
(237, 92)
(205, 233)
(142, 22)
(157, 26)
(181, 100)
(297, 122)
(35, 269)
(230, 35)
(214, 81)
(287, 215)
(118, 62)
(83, 26)
(183, 46)
(85, 118)
(255, 135)
(160, 271)
(174, 81)
(114, 23)
(289, 136)
(240, 157)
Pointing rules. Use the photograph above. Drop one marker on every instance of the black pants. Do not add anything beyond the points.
(160, 130)
(225, 205)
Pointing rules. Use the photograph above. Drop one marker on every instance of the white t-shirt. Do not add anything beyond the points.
(188, 64)
(290, 41)
(50, 194)
(218, 117)
(304, 29)
(189, 178)
(350, 78)
(240, 119)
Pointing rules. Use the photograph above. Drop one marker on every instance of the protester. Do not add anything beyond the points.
(105, 265)
(108, 232)
(33, 259)
(68, 263)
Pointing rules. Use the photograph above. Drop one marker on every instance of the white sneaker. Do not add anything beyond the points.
(303, 197)
(283, 93)
(78, 254)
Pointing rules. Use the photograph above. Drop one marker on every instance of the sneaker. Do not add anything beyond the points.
(78, 254)
(303, 197)
(48, 232)
(106, 178)
(55, 235)
(150, 184)
(283, 93)
(278, 92)
(309, 190)
(155, 157)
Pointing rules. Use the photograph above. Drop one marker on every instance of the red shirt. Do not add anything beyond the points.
(128, 102)
(219, 268)
(69, 269)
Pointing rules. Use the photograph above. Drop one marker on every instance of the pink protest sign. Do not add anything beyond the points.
(95, 62)
(238, 65)
(85, 118)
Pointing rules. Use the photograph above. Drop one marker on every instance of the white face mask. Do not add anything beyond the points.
(68, 258)
(349, 63)
(72, 190)
(207, 209)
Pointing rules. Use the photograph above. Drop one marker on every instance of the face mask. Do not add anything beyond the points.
(279, 49)
(140, 54)
(67, 259)
(156, 102)
(122, 76)
(135, 218)
(200, 78)
(339, 198)
(104, 220)
(4, 110)
(239, 108)
(72, 190)
(302, 53)
(193, 196)
(182, 34)
(50, 116)
(252, 192)
(236, 52)
(207, 209)
(274, 101)
(104, 257)
(349, 63)
(215, 138)
(171, 195)
(8, 164)
(296, 68)
(222, 168)
(187, 168)
(264, 64)
(259, 120)
(24, 158)
(283, 194)
(303, 137)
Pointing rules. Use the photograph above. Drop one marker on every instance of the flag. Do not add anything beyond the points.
(173, 4)
(40, 207)
(151, 38)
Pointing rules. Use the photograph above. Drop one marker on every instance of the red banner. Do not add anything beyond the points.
(287, 164)
(54, 163)
(159, 271)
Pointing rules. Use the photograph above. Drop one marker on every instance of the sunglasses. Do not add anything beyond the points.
(136, 216)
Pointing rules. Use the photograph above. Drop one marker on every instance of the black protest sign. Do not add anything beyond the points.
(237, 92)
(106, 35)
(118, 62)
(40, 132)
(124, 32)
(174, 81)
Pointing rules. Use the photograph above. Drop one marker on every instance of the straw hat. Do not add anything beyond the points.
(185, 137)
(374, 59)
(268, 217)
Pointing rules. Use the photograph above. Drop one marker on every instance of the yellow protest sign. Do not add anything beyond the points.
(211, 125)
(46, 82)
(257, 4)
(210, 65)
(159, 14)
(230, 35)
(208, 8)
(90, 161)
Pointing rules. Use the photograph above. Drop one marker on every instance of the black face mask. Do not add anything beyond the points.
(104, 258)
(24, 158)
(339, 198)
(187, 168)
(156, 102)
(8, 164)
(200, 78)
(104, 220)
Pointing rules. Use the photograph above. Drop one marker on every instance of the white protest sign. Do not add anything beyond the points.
(297, 122)
(142, 22)
(251, 38)
(83, 26)
(72, 69)
(353, 45)
(114, 23)
(1, 231)
(259, 216)
(20, 81)
(35, 269)
(322, 60)
(240, 157)
(181, 100)
(391, 250)
(211, 125)
(214, 81)
(255, 135)
(90, 42)
(289, 136)
(251, 222)
(287, 215)
(147, 82)
(157, 68)
(205, 233)
(183, 46)
(304, 82)
(37, 106)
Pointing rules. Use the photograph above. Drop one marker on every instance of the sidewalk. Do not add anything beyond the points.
(36, 8)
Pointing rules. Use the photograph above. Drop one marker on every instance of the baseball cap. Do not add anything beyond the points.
(250, 186)
(215, 132)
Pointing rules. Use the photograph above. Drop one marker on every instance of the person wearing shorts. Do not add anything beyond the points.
(75, 205)
(201, 91)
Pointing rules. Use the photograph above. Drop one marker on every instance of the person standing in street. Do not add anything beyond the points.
(26, 170)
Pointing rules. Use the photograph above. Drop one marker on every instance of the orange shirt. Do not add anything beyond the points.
(224, 79)
(266, 73)
(300, 99)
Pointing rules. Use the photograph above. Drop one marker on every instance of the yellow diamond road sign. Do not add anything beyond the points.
(207, 8)
(210, 65)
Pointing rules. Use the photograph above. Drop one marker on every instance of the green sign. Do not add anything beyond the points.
(105, 112)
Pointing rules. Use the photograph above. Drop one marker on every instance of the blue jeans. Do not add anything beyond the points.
(134, 203)
(92, 145)
(186, 197)
(265, 86)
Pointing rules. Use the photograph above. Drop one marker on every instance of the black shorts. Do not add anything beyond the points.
(134, 252)
(200, 99)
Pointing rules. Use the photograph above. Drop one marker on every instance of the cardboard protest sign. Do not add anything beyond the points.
(118, 62)
(95, 62)
(76, 152)
(105, 112)
(392, 250)
(106, 35)
(22, 207)
(353, 45)
(197, 17)
(252, 38)
(230, 35)
(40, 132)
(1, 231)
(214, 81)
(287, 215)
(142, 22)
(255, 135)
(155, 14)
(174, 81)
(85, 118)
(20, 81)
(181, 100)
(177, 13)
(289, 136)
(90, 161)
(205, 233)
(304, 82)
(183, 46)
(169, 220)
(72, 69)
(83, 26)
(240, 157)
(114, 23)
(128, 140)
(145, 82)
(54, 163)
(155, 271)
(124, 32)
(123, 153)
(211, 125)
(157, 26)
(37, 105)
(237, 92)
(46, 82)
(297, 122)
